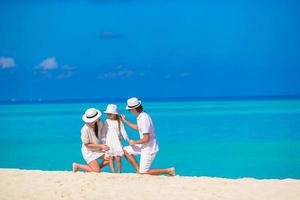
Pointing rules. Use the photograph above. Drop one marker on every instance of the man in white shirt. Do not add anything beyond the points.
(147, 146)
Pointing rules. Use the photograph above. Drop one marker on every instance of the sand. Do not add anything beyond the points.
(54, 185)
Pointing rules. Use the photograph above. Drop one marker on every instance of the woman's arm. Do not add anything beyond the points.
(97, 146)
(132, 125)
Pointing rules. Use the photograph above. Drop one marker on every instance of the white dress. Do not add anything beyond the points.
(88, 137)
(113, 139)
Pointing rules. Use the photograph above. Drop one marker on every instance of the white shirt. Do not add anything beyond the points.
(145, 125)
(88, 136)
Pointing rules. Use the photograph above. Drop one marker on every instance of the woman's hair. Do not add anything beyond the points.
(96, 130)
(139, 109)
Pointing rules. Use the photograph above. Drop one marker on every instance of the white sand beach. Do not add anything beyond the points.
(50, 185)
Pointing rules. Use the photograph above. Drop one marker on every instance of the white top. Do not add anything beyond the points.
(88, 137)
(113, 137)
(145, 125)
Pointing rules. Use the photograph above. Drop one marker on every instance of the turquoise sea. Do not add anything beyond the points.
(232, 139)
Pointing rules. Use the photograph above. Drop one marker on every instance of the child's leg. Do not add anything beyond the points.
(111, 164)
(91, 167)
(119, 163)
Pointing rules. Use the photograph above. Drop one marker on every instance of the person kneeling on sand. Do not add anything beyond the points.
(91, 148)
(147, 146)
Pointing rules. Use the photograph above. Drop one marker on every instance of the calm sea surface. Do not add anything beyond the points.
(232, 139)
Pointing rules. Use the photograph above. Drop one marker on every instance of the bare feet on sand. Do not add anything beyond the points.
(75, 167)
(171, 171)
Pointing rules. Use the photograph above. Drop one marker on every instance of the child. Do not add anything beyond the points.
(114, 127)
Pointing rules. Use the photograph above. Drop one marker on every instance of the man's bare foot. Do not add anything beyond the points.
(171, 171)
(75, 167)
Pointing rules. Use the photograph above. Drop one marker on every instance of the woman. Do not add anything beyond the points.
(91, 133)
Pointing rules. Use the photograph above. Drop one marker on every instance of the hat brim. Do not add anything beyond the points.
(129, 108)
(90, 120)
(111, 113)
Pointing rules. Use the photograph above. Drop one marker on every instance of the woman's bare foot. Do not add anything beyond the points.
(171, 171)
(75, 167)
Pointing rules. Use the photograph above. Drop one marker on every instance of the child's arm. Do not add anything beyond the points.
(123, 132)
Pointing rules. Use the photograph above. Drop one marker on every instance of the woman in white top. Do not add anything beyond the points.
(91, 149)
(114, 129)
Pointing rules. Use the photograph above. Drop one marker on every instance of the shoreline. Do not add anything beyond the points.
(37, 184)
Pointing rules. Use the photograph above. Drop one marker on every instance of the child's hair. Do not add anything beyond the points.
(118, 118)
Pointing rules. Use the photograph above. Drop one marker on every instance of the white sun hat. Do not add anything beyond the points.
(91, 115)
(133, 103)
(111, 109)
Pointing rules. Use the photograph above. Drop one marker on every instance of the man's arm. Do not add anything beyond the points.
(144, 140)
(132, 125)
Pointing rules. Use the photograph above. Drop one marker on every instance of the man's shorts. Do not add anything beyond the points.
(145, 160)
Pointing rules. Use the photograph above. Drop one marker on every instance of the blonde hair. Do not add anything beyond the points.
(118, 118)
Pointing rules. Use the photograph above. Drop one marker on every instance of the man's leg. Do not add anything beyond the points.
(145, 166)
(169, 171)
(131, 160)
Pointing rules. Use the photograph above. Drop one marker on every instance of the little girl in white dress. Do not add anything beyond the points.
(114, 127)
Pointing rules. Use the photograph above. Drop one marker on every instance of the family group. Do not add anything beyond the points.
(102, 140)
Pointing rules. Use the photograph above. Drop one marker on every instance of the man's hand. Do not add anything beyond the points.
(131, 142)
(123, 117)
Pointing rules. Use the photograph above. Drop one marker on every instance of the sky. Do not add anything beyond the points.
(106, 49)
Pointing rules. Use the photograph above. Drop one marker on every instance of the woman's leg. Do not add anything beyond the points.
(103, 163)
(93, 166)
(119, 164)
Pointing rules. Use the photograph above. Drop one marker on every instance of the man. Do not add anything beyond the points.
(147, 146)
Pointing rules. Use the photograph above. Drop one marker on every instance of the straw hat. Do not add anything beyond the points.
(111, 109)
(91, 115)
(133, 103)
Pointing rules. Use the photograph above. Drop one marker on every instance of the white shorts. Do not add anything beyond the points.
(145, 160)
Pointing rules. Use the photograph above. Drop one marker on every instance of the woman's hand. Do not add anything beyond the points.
(104, 147)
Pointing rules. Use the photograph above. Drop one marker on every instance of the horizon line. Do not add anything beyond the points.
(151, 99)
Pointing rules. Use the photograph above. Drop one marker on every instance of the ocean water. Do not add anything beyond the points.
(231, 139)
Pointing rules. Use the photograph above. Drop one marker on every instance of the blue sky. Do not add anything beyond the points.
(60, 50)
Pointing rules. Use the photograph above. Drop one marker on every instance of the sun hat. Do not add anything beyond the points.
(91, 115)
(133, 103)
(111, 109)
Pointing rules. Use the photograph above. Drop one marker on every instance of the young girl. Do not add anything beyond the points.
(114, 127)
